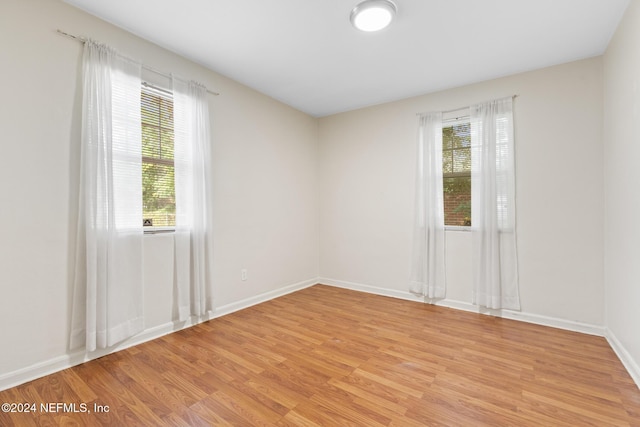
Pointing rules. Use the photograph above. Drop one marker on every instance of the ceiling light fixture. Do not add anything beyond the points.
(373, 15)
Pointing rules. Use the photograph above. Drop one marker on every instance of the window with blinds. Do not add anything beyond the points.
(456, 172)
(158, 188)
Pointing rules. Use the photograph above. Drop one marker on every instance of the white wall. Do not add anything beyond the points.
(367, 187)
(265, 190)
(622, 197)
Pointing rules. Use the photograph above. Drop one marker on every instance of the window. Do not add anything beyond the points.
(158, 187)
(456, 172)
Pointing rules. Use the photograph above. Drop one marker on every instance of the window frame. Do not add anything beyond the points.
(457, 118)
(167, 95)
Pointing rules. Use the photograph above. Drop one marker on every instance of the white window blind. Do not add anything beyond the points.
(456, 172)
(158, 183)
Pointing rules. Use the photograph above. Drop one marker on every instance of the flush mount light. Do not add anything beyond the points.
(373, 15)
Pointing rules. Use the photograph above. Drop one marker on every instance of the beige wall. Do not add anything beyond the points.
(622, 197)
(367, 187)
(265, 190)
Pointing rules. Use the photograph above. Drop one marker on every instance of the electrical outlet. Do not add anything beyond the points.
(243, 274)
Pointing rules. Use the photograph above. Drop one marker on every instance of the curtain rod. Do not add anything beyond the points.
(146, 67)
(462, 108)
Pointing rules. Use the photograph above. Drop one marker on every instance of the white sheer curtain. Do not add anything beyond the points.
(108, 305)
(495, 263)
(193, 244)
(428, 264)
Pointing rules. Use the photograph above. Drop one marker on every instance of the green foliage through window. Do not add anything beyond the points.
(158, 185)
(456, 173)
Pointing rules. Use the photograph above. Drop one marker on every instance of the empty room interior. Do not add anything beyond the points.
(306, 295)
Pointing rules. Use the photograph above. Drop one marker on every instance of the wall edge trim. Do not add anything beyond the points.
(73, 358)
(537, 319)
(625, 357)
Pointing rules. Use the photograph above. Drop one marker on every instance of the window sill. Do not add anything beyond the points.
(158, 230)
(457, 228)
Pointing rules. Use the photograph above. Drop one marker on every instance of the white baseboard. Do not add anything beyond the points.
(465, 306)
(248, 302)
(538, 319)
(65, 361)
(627, 360)
(370, 289)
(59, 363)
(47, 367)
(624, 356)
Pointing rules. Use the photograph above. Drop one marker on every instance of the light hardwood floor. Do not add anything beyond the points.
(332, 357)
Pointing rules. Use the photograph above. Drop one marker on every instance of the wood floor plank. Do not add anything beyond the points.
(381, 379)
(352, 411)
(244, 406)
(326, 356)
(212, 410)
(294, 419)
(390, 405)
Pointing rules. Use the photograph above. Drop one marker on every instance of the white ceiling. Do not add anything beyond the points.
(306, 54)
